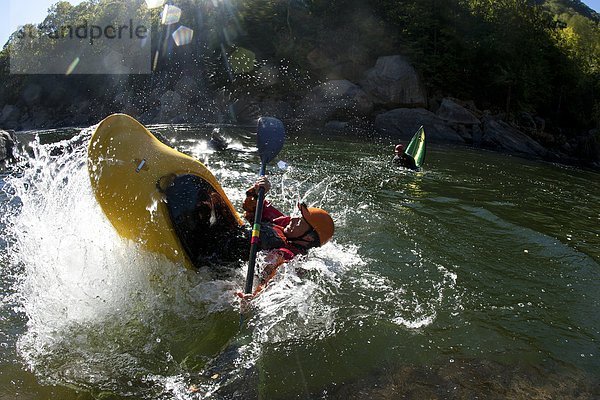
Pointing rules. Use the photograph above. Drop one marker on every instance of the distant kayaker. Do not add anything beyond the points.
(402, 159)
(217, 142)
(285, 236)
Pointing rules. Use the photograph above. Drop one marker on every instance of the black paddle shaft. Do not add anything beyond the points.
(270, 138)
(255, 239)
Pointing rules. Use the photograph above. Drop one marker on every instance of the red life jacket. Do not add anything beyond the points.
(271, 230)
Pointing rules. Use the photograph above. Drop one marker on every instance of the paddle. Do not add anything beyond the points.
(270, 138)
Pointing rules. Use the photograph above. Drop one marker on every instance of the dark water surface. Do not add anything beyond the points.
(478, 277)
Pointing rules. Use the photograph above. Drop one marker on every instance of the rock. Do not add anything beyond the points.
(245, 110)
(402, 123)
(452, 112)
(336, 125)
(276, 108)
(477, 135)
(7, 147)
(498, 135)
(463, 132)
(526, 122)
(394, 82)
(336, 99)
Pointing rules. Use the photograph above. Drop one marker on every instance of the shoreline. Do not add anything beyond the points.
(522, 145)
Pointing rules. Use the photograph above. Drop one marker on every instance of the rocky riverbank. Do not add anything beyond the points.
(391, 100)
(388, 99)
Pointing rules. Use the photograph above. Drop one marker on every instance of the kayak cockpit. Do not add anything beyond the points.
(204, 224)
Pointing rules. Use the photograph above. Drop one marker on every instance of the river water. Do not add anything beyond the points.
(477, 277)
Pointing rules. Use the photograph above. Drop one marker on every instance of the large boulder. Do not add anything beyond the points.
(402, 123)
(394, 82)
(277, 108)
(499, 135)
(336, 99)
(451, 112)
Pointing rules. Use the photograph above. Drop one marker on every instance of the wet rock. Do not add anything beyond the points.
(499, 135)
(336, 99)
(394, 82)
(402, 123)
(7, 147)
(477, 135)
(452, 112)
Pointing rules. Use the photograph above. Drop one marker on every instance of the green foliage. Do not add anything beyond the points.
(506, 55)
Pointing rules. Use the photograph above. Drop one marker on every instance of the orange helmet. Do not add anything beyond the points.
(319, 220)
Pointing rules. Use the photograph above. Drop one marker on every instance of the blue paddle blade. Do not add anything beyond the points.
(270, 138)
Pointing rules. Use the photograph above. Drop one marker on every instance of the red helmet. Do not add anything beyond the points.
(399, 148)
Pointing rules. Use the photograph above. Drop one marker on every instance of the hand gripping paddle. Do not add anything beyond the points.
(270, 138)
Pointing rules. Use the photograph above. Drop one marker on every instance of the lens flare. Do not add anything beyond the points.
(155, 3)
(72, 66)
(171, 15)
(183, 35)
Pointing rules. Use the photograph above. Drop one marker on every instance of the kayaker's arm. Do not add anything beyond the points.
(274, 260)
(249, 205)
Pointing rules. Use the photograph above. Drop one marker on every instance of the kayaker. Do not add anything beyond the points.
(402, 159)
(285, 236)
(217, 142)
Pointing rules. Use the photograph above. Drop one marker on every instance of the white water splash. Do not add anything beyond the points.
(92, 301)
(98, 308)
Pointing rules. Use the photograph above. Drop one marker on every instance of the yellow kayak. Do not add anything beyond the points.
(158, 197)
